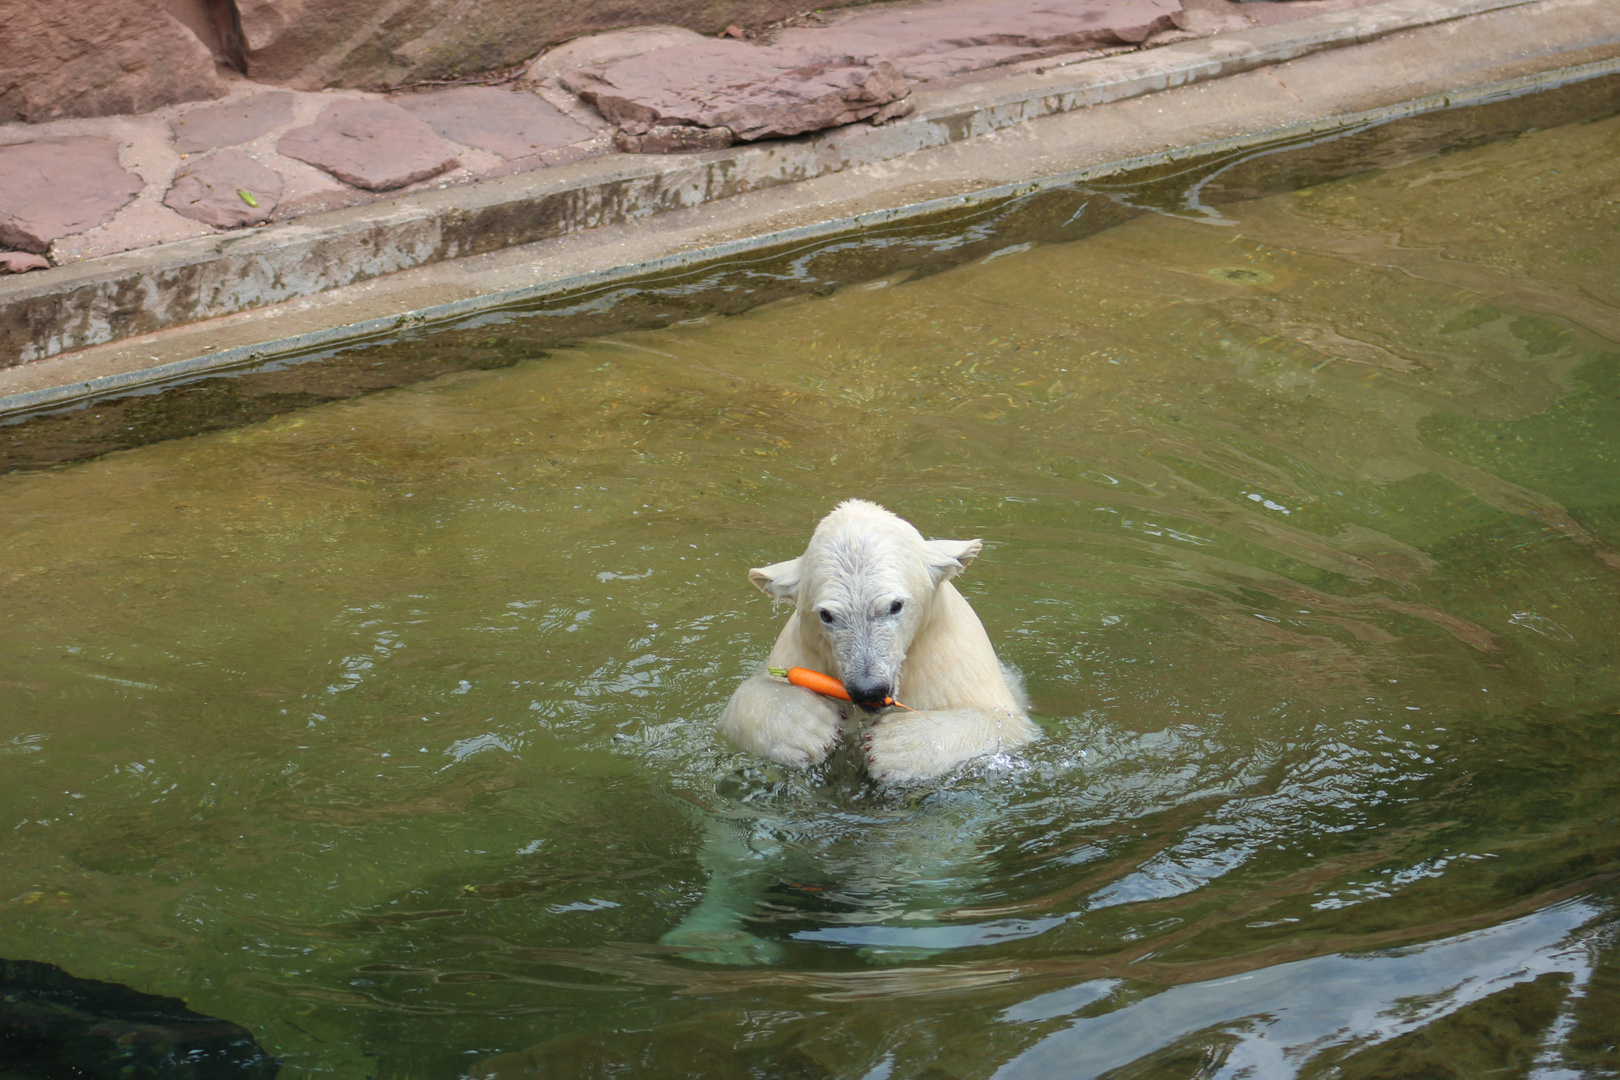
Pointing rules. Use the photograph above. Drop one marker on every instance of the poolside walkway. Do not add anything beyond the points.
(81, 188)
(197, 233)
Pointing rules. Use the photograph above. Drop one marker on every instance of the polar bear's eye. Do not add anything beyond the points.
(826, 616)
(894, 608)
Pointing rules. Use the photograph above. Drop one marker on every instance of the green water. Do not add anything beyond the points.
(387, 728)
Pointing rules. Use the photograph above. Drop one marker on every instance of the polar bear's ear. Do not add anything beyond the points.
(779, 581)
(946, 558)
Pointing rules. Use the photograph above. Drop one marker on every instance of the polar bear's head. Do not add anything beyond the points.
(865, 587)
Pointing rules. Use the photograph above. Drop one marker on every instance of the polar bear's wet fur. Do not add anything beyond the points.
(874, 607)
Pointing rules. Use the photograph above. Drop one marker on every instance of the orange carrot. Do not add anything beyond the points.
(825, 685)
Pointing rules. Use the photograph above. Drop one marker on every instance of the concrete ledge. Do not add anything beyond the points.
(61, 382)
(69, 308)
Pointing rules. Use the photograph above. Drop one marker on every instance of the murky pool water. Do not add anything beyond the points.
(387, 728)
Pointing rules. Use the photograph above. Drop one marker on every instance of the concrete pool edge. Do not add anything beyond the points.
(455, 289)
(73, 307)
(302, 345)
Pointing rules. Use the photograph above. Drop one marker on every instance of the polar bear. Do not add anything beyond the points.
(875, 608)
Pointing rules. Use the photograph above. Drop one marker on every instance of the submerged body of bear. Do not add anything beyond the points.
(874, 607)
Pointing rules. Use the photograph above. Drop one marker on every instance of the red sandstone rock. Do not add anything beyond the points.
(367, 43)
(51, 188)
(608, 47)
(814, 78)
(20, 262)
(370, 144)
(1269, 13)
(513, 124)
(757, 92)
(232, 123)
(210, 190)
(954, 37)
(60, 59)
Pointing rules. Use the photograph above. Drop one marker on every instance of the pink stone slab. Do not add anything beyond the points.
(20, 262)
(51, 188)
(513, 124)
(232, 123)
(371, 144)
(757, 92)
(814, 78)
(938, 40)
(210, 190)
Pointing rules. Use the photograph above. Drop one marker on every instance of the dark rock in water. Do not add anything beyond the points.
(370, 144)
(211, 190)
(53, 1025)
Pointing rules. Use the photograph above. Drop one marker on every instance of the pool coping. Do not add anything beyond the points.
(179, 285)
(127, 293)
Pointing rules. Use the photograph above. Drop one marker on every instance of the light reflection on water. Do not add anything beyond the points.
(386, 728)
(1350, 1002)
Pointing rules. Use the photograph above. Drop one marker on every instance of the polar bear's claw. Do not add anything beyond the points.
(912, 746)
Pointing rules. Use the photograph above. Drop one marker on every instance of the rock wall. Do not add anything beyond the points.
(66, 58)
(69, 58)
(310, 44)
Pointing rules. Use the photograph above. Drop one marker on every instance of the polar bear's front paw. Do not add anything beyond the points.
(781, 722)
(806, 734)
(905, 747)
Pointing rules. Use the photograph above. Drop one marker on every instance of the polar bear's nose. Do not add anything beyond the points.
(869, 694)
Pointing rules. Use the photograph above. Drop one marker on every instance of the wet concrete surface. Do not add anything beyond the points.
(407, 257)
(744, 274)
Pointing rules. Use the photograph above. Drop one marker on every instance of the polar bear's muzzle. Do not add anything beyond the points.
(870, 694)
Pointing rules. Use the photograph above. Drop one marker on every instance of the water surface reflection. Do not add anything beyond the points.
(387, 728)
